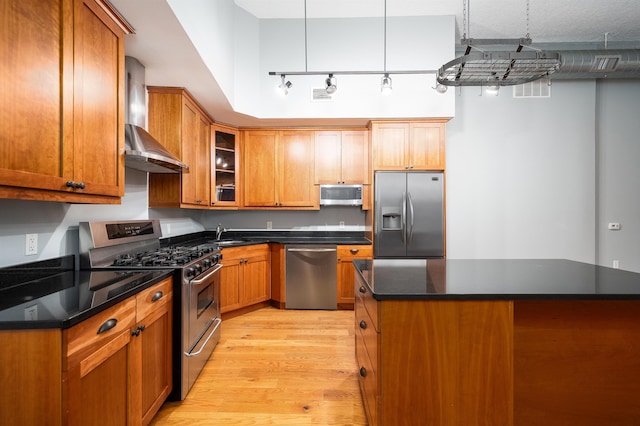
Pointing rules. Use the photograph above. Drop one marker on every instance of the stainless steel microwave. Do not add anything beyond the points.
(340, 195)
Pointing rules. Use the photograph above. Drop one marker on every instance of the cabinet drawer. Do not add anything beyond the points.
(87, 334)
(366, 298)
(155, 297)
(355, 252)
(368, 381)
(244, 252)
(364, 326)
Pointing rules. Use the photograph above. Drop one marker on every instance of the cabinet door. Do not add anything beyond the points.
(98, 84)
(354, 164)
(151, 378)
(426, 146)
(257, 285)
(190, 135)
(225, 167)
(230, 285)
(328, 157)
(98, 364)
(346, 256)
(295, 170)
(260, 168)
(390, 141)
(36, 130)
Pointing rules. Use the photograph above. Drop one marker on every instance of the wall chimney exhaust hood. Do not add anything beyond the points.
(141, 150)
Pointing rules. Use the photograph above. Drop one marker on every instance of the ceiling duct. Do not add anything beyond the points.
(606, 63)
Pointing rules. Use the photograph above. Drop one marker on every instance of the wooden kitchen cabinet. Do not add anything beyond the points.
(341, 157)
(184, 128)
(126, 368)
(434, 362)
(245, 278)
(225, 167)
(278, 169)
(408, 145)
(80, 376)
(347, 254)
(62, 133)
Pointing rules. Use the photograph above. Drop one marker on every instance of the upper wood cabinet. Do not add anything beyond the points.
(183, 127)
(62, 132)
(341, 157)
(278, 169)
(408, 145)
(225, 166)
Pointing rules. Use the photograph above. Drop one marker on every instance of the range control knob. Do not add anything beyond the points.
(190, 272)
(206, 264)
(197, 268)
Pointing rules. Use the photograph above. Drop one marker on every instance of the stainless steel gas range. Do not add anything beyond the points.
(135, 244)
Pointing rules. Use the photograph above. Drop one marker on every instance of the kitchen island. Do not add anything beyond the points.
(497, 342)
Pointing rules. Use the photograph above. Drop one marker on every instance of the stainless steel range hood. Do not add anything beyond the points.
(141, 150)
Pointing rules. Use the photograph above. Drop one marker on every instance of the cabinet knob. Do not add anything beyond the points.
(362, 290)
(363, 372)
(354, 250)
(363, 325)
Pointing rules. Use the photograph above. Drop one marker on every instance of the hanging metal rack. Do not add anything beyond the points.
(480, 66)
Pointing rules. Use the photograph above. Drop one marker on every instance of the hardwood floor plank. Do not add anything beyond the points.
(276, 367)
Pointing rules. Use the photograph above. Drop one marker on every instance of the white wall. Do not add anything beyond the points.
(521, 175)
(618, 172)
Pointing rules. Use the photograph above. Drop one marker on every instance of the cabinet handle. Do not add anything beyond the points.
(157, 296)
(354, 250)
(138, 330)
(363, 325)
(108, 325)
(363, 372)
(76, 185)
(362, 289)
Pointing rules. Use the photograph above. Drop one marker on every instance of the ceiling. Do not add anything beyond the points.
(170, 60)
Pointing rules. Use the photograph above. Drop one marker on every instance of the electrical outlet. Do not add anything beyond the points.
(31, 244)
(616, 264)
(342, 224)
(269, 224)
(31, 313)
(614, 226)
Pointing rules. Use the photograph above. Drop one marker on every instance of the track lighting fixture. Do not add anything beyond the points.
(385, 85)
(332, 84)
(284, 86)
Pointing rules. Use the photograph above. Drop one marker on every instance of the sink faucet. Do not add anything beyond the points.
(219, 231)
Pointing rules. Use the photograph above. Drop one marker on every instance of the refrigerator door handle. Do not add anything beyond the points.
(411, 210)
(404, 217)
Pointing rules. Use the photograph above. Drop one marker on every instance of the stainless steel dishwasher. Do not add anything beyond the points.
(310, 276)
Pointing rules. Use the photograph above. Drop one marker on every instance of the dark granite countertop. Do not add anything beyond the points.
(57, 296)
(500, 279)
(240, 238)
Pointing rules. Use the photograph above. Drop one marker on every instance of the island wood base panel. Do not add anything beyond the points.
(576, 363)
(522, 363)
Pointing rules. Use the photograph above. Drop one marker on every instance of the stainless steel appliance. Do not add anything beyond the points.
(136, 245)
(310, 276)
(340, 195)
(409, 214)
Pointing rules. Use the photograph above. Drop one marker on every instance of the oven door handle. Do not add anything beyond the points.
(206, 277)
(218, 321)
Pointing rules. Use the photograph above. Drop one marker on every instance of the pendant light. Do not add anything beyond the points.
(385, 84)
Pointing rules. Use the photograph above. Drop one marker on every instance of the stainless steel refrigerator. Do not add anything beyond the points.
(409, 214)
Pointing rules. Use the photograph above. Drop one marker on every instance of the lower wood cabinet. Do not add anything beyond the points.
(346, 254)
(112, 369)
(245, 277)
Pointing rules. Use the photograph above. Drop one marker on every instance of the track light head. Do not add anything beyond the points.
(385, 85)
(284, 86)
(440, 88)
(332, 84)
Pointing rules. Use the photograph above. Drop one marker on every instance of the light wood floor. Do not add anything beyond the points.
(276, 367)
